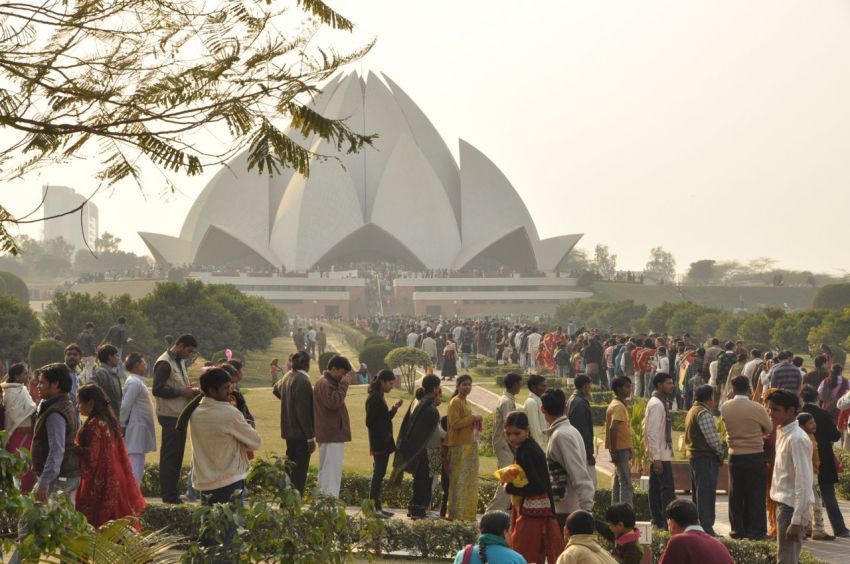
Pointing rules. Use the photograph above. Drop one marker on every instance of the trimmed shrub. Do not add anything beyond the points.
(375, 340)
(373, 356)
(15, 286)
(46, 351)
(353, 336)
(842, 488)
(442, 539)
(324, 359)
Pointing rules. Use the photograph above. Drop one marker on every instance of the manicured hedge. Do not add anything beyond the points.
(842, 488)
(355, 489)
(443, 539)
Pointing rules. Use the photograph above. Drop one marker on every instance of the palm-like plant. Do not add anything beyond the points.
(119, 542)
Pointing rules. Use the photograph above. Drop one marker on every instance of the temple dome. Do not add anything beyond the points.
(405, 199)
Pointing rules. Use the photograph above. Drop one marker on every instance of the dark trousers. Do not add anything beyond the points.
(379, 470)
(170, 458)
(747, 483)
(661, 493)
(704, 478)
(232, 493)
(421, 500)
(827, 494)
(298, 454)
(444, 485)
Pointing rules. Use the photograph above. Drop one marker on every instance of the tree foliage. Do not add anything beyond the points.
(159, 82)
(175, 309)
(68, 313)
(259, 321)
(374, 356)
(604, 261)
(46, 351)
(791, 331)
(701, 272)
(18, 328)
(661, 265)
(15, 287)
(832, 296)
(408, 360)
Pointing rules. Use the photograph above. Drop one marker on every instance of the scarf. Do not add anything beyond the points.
(627, 538)
(489, 540)
(18, 405)
(668, 424)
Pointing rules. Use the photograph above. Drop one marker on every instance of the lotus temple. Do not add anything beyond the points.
(456, 235)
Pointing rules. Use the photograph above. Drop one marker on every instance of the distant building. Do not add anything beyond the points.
(60, 199)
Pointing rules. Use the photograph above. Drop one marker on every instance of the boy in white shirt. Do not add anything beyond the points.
(791, 486)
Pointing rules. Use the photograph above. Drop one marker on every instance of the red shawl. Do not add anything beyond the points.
(108, 490)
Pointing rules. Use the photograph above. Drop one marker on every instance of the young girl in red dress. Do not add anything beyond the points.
(534, 528)
(108, 490)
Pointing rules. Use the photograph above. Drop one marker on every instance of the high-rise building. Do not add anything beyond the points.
(60, 199)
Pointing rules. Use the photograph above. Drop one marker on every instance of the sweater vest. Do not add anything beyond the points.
(41, 446)
(178, 380)
(694, 439)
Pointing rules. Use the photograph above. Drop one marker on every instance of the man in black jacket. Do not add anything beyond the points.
(826, 433)
(297, 426)
(581, 417)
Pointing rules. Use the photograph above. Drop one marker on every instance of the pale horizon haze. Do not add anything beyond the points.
(714, 129)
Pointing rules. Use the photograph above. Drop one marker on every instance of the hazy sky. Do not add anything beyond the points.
(717, 129)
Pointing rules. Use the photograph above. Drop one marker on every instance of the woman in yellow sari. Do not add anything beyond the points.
(463, 454)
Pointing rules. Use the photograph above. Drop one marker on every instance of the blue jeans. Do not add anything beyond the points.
(661, 493)
(704, 487)
(622, 488)
(827, 493)
(466, 361)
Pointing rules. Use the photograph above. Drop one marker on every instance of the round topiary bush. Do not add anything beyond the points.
(324, 358)
(373, 356)
(15, 287)
(374, 340)
(46, 351)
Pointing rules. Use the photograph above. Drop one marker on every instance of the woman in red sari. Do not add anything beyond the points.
(108, 490)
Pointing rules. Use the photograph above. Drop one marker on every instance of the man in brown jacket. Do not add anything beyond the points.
(333, 428)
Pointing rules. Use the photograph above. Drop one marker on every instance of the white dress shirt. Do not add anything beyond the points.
(792, 473)
(655, 431)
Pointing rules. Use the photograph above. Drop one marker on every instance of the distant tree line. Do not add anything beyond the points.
(772, 327)
(219, 315)
(55, 258)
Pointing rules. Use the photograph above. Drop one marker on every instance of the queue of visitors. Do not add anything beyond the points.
(780, 424)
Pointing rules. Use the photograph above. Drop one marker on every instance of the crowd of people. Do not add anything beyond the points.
(90, 421)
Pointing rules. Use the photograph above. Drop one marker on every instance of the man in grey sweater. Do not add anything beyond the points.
(504, 454)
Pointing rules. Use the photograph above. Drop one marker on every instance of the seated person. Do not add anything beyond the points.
(492, 545)
(688, 542)
(619, 528)
(582, 547)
